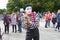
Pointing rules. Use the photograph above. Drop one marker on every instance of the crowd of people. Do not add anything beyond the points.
(54, 18)
(14, 19)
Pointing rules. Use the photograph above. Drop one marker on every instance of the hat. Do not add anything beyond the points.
(27, 6)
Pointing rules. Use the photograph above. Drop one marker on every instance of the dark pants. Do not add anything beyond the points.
(32, 34)
(20, 26)
(7, 27)
(58, 25)
(14, 28)
(54, 22)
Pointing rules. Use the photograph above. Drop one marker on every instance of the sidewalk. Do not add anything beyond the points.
(45, 33)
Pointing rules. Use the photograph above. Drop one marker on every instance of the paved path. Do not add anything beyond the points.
(45, 33)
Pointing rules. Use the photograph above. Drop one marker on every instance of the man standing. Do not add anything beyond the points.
(31, 23)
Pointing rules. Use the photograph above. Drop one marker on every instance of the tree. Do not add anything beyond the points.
(13, 5)
(2, 10)
(38, 5)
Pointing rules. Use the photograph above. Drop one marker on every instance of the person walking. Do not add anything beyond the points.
(47, 19)
(54, 19)
(58, 21)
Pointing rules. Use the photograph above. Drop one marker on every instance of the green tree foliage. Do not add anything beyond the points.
(13, 5)
(38, 5)
(2, 10)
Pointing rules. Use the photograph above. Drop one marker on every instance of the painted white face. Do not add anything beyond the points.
(28, 9)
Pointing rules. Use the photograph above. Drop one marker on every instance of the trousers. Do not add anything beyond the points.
(32, 34)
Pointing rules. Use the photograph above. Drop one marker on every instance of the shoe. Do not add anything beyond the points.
(46, 27)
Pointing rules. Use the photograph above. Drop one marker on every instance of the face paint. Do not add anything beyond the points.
(28, 9)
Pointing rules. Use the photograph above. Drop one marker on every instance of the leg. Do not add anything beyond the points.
(28, 37)
(56, 27)
(18, 25)
(5, 28)
(36, 34)
(15, 29)
(49, 23)
(12, 28)
(53, 25)
(20, 28)
(46, 25)
(59, 26)
(36, 38)
(8, 27)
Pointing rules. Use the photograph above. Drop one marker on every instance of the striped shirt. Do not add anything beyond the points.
(34, 19)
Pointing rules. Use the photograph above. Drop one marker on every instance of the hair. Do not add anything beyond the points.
(58, 11)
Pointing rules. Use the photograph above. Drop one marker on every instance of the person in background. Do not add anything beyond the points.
(47, 19)
(14, 21)
(40, 16)
(54, 19)
(6, 22)
(22, 17)
(19, 22)
(58, 21)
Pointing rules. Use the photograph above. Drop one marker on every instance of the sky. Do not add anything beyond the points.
(3, 4)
